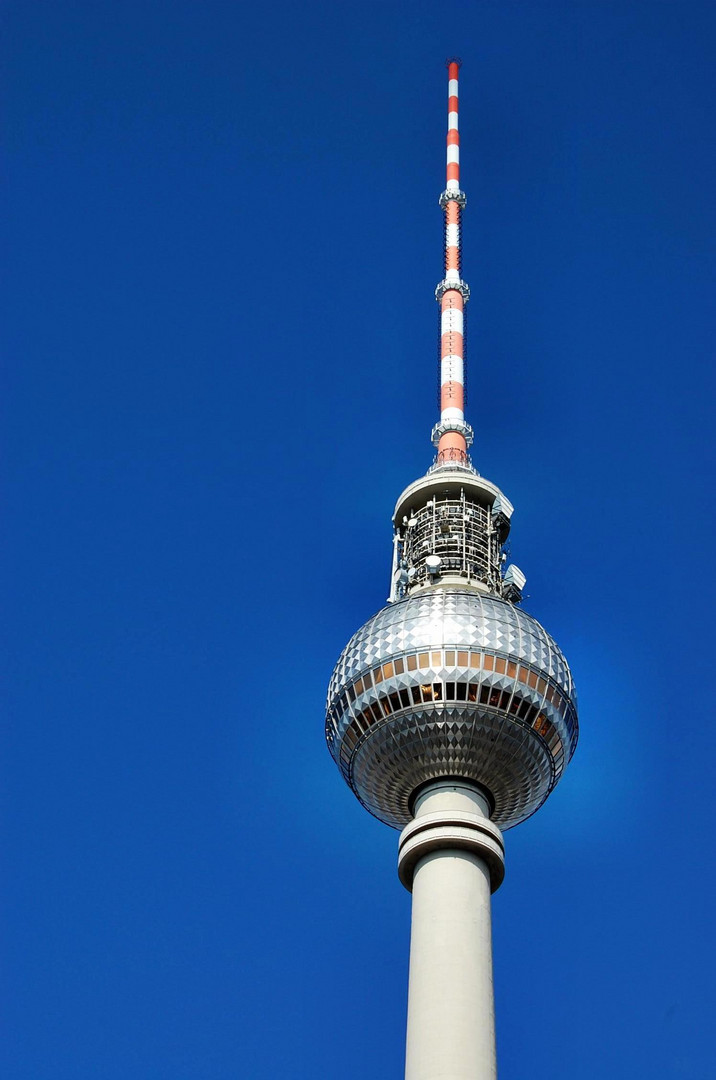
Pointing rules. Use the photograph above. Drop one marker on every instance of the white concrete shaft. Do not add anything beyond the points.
(451, 1012)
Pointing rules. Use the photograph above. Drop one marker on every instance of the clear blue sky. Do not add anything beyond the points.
(220, 344)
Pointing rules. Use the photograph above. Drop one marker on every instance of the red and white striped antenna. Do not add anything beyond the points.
(452, 436)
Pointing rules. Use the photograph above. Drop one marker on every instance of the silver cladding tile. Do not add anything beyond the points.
(454, 618)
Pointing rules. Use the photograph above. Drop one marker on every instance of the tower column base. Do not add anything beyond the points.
(451, 857)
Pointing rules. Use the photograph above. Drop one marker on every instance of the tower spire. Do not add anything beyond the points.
(452, 436)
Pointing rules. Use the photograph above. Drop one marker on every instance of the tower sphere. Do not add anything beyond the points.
(452, 682)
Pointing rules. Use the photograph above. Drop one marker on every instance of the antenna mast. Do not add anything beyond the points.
(452, 436)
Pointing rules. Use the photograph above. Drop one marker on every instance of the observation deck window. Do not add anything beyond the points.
(529, 710)
(522, 709)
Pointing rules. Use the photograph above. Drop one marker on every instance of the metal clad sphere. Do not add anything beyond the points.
(451, 682)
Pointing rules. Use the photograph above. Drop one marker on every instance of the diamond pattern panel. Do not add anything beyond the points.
(399, 755)
(452, 617)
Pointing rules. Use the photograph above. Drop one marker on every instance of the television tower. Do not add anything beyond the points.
(451, 713)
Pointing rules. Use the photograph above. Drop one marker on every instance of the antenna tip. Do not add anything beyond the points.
(453, 60)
